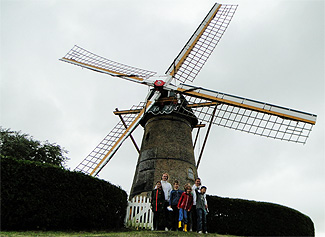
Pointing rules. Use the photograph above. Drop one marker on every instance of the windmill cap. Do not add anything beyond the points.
(159, 83)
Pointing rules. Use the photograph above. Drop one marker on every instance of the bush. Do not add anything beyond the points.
(38, 196)
(251, 218)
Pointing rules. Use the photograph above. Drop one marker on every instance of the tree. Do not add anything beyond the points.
(24, 147)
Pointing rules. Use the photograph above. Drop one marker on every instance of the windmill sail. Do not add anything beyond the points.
(105, 150)
(249, 115)
(188, 102)
(83, 58)
(197, 50)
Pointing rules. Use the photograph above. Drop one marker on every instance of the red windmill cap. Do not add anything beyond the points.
(159, 83)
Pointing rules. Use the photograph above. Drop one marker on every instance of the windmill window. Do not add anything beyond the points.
(190, 173)
(147, 136)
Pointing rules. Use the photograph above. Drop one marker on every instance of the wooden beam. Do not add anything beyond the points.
(201, 104)
(131, 111)
(133, 141)
(206, 136)
(167, 99)
(201, 125)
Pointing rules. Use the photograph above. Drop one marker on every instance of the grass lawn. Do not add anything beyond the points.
(99, 233)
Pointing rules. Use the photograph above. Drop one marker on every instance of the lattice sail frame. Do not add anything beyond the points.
(84, 58)
(250, 121)
(197, 50)
(185, 68)
(242, 114)
(96, 160)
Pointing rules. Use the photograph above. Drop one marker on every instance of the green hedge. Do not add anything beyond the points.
(37, 196)
(251, 218)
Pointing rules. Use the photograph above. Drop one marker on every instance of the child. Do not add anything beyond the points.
(175, 195)
(157, 203)
(184, 205)
(201, 210)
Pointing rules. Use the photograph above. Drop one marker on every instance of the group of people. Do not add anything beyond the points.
(177, 209)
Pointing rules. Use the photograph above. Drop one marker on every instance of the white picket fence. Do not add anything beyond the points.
(139, 214)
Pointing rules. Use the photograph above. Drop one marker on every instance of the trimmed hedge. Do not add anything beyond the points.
(37, 196)
(251, 218)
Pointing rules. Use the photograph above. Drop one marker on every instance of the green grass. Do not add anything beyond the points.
(99, 233)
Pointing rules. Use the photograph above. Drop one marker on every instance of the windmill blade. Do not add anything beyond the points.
(249, 115)
(105, 150)
(197, 50)
(83, 58)
(89, 164)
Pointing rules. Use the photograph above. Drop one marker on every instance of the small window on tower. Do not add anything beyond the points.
(147, 136)
(190, 173)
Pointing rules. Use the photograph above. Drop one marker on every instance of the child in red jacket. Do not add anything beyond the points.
(185, 204)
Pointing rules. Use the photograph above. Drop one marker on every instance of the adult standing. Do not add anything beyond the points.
(196, 186)
(157, 204)
(167, 187)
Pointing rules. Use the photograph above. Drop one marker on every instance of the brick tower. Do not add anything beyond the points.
(166, 146)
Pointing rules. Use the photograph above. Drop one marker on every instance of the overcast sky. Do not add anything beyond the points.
(273, 51)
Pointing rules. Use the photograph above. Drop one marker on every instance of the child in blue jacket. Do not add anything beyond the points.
(175, 195)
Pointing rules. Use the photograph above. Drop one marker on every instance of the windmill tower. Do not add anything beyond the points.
(159, 153)
(172, 109)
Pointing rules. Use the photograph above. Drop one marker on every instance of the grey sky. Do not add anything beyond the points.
(273, 51)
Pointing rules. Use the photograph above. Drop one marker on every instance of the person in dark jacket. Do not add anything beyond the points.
(201, 210)
(184, 205)
(157, 203)
(197, 186)
(175, 195)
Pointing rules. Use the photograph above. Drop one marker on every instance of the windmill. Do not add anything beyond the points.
(174, 107)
